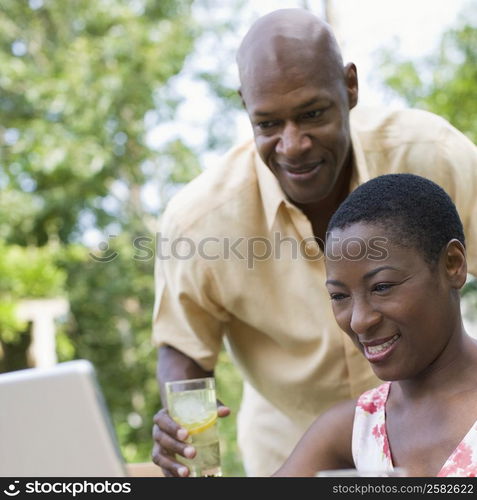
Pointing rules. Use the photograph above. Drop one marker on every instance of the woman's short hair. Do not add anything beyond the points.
(414, 211)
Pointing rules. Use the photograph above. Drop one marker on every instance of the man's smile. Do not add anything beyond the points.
(302, 172)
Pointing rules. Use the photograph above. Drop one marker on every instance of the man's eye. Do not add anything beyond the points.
(313, 114)
(266, 124)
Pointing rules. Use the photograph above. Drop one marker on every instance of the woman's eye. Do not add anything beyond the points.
(337, 296)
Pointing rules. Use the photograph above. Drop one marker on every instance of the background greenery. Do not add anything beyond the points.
(82, 84)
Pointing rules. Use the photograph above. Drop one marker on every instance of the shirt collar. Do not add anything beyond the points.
(270, 191)
(273, 196)
(360, 167)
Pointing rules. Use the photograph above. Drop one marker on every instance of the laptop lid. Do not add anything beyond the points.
(54, 423)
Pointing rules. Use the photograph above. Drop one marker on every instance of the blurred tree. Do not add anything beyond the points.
(111, 305)
(445, 82)
(82, 85)
(26, 272)
(77, 82)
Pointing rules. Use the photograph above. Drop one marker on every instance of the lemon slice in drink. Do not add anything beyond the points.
(202, 425)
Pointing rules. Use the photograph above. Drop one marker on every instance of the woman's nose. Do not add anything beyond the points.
(363, 317)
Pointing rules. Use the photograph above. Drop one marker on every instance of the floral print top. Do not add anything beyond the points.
(370, 444)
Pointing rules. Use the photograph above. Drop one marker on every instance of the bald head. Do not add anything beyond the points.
(288, 41)
(298, 96)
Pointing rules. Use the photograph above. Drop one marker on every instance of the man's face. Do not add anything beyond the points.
(300, 119)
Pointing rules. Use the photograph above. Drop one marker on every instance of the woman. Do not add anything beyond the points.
(395, 261)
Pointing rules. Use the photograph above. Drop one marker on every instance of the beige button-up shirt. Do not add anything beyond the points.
(236, 259)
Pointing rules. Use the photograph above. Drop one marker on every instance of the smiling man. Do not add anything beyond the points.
(244, 263)
(298, 96)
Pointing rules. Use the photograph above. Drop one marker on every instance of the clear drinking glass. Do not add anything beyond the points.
(193, 405)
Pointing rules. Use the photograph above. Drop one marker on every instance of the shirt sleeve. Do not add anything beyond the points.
(457, 164)
(187, 312)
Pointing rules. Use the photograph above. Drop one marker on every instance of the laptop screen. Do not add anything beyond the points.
(54, 423)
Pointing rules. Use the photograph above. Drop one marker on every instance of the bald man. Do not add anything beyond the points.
(243, 254)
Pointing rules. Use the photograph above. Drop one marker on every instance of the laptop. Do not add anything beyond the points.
(54, 423)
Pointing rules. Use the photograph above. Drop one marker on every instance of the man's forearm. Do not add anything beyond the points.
(174, 365)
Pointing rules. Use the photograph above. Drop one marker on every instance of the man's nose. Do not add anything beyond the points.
(293, 142)
(364, 317)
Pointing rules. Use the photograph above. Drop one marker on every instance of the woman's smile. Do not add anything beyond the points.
(379, 350)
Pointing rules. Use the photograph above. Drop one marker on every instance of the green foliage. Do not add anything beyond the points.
(111, 303)
(184, 163)
(445, 82)
(229, 391)
(26, 272)
(77, 80)
(81, 85)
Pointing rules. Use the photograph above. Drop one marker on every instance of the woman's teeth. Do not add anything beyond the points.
(374, 349)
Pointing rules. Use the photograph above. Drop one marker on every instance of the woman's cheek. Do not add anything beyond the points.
(343, 320)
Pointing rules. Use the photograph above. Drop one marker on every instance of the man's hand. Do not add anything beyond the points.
(170, 439)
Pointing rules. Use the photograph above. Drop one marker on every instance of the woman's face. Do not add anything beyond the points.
(398, 310)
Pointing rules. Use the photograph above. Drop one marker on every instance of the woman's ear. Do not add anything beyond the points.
(455, 263)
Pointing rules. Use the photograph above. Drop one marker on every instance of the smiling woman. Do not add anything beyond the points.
(375, 301)
(402, 310)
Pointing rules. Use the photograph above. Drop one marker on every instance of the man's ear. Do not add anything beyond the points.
(351, 80)
(455, 263)
(239, 92)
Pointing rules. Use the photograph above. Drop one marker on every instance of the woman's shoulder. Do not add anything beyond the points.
(374, 399)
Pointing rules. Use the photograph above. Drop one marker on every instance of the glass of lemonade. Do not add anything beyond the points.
(193, 405)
